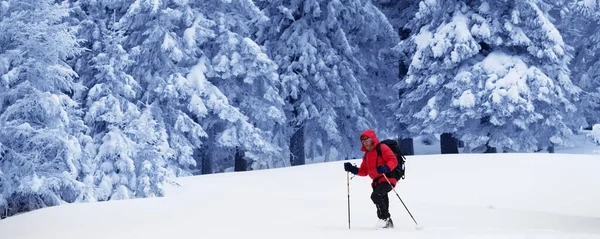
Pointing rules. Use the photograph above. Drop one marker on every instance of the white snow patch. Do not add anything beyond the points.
(496, 63)
(507, 76)
(196, 76)
(189, 35)
(513, 94)
(590, 4)
(484, 7)
(467, 99)
(498, 95)
(36, 183)
(482, 30)
(168, 42)
(431, 102)
(433, 80)
(155, 5)
(233, 40)
(464, 77)
(197, 106)
(229, 137)
(423, 39)
(461, 27)
(4, 6)
(595, 134)
(181, 2)
(433, 114)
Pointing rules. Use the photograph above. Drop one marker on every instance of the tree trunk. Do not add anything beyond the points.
(297, 147)
(198, 156)
(448, 144)
(486, 121)
(240, 163)
(551, 149)
(406, 143)
(206, 161)
(407, 146)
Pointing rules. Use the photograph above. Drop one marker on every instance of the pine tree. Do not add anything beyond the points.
(248, 78)
(167, 41)
(317, 46)
(129, 155)
(398, 13)
(493, 73)
(40, 124)
(580, 21)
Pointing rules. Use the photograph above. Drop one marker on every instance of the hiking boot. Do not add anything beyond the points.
(389, 223)
(385, 223)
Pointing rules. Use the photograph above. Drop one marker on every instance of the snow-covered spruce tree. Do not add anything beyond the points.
(112, 170)
(40, 124)
(493, 73)
(249, 80)
(166, 42)
(580, 26)
(398, 14)
(317, 46)
(132, 155)
(379, 67)
(91, 18)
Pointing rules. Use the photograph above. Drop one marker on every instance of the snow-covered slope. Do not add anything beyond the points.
(451, 196)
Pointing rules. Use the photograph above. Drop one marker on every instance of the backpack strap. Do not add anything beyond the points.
(378, 149)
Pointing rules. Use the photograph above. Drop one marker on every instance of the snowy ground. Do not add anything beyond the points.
(451, 196)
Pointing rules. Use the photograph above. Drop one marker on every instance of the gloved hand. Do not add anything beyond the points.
(350, 168)
(383, 169)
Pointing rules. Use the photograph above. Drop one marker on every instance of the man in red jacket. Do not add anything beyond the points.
(375, 166)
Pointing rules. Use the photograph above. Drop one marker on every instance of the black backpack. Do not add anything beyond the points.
(399, 171)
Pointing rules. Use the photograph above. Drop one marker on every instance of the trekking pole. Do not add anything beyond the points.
(386, 178)
(348, 185)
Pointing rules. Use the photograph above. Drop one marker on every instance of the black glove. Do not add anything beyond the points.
(350, 168)
(383, 169)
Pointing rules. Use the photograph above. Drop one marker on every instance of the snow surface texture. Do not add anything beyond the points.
(451, 196)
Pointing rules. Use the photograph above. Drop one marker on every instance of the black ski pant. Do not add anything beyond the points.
(381, 199)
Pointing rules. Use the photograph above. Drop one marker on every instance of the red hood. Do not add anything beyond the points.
(371, 134)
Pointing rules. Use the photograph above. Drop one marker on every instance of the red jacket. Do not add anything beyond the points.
(370, 162)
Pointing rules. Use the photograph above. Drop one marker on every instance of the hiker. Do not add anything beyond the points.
(375, 166)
